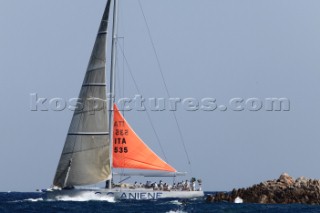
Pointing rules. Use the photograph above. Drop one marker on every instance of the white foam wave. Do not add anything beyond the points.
(176, 211)
(27, 200)
(238, 200)
(175, 202)
(34, 199)
(86, 196)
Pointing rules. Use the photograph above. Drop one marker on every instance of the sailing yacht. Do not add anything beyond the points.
(100, 140)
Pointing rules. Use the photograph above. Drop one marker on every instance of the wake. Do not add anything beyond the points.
(86, 196)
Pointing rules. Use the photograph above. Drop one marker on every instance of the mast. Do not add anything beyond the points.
(112, 79)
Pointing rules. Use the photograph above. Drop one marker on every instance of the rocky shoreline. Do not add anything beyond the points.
(283, 190)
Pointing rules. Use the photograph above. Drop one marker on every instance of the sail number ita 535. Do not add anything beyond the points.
(120, 134)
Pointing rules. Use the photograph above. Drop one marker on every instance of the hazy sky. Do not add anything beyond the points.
(207, 48)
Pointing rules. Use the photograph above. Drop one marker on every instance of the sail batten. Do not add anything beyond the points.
(94, 85)
(130, 152)
(67, 153)
(88, 133)
(85, 158)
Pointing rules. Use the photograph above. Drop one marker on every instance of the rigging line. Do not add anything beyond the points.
(123, 68)
(164, 82)
(120, 22)
(119, 87)
(119, 75)
(122, 111)
(118, 80)
(148, 115)
(120, 92)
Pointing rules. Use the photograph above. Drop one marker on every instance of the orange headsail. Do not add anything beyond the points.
(130, 152)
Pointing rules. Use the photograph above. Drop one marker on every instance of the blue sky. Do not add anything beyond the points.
(208, 48)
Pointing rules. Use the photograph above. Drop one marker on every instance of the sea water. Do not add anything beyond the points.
(36, 202)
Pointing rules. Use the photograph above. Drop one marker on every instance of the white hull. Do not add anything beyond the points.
(124, 194)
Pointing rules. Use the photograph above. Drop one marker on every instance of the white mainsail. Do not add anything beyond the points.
(85, 158)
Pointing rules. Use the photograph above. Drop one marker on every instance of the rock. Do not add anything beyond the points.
(286, 179)
(263, 199)
(210, 198)
(280, 191)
